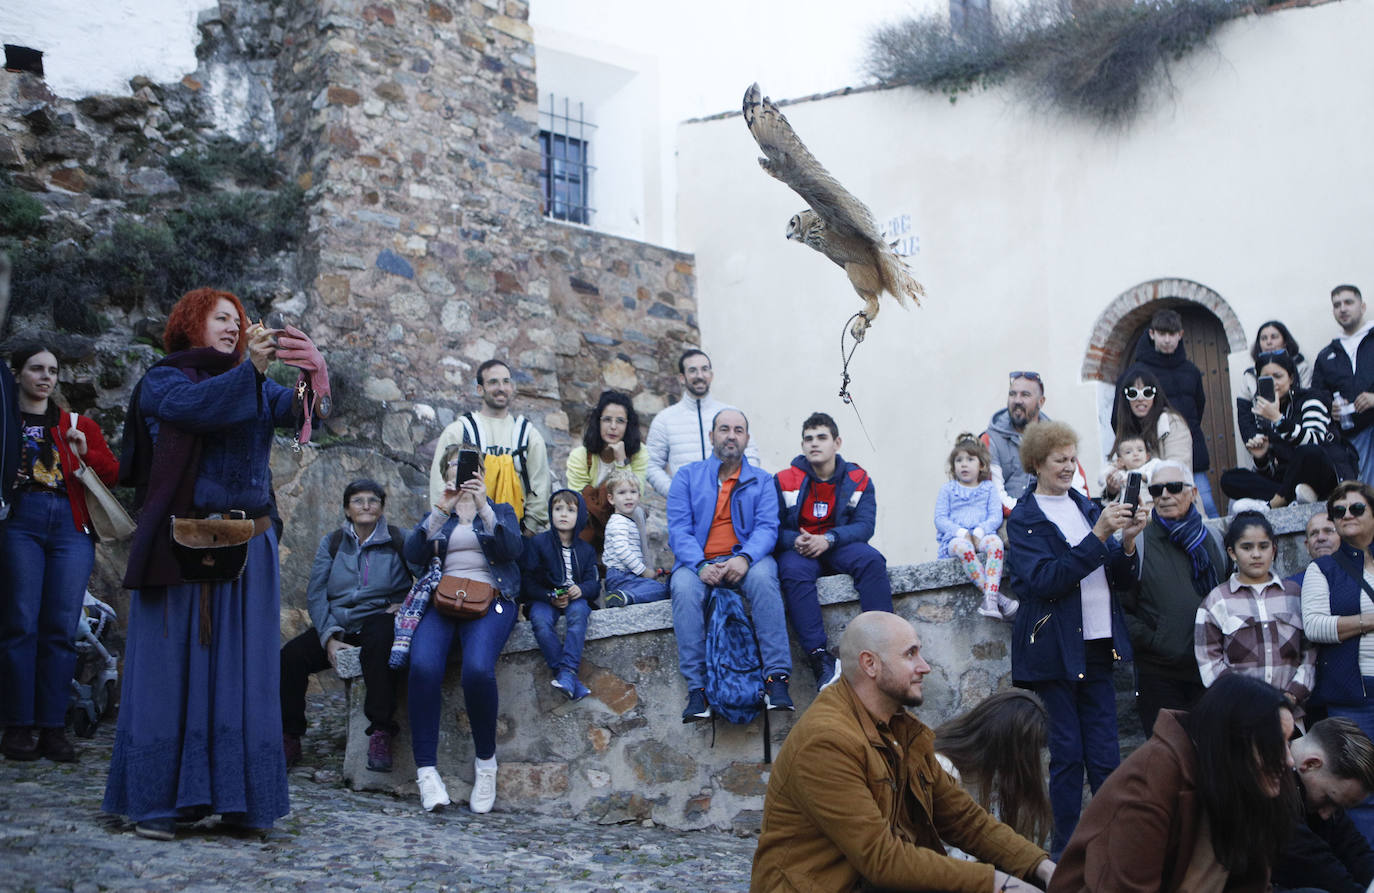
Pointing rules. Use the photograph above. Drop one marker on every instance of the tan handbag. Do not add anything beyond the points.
(108, 518)
(463, 599)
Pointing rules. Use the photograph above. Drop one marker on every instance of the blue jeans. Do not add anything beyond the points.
(50, 564)
(1362, 716)
(1082, 735)
(1204, 493)
(1364, 447)
(797, 575)
(567, 654)
(638, 590)
(482, 640)
(760, 590)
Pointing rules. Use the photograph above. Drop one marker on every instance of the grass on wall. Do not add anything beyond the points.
(1097, 62)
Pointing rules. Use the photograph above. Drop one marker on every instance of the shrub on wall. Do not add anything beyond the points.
(222, 239)
(1096, 62)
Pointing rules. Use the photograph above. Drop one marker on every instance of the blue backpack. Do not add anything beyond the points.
(734, 669)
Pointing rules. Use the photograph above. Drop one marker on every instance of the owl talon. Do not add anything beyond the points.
(860, 327)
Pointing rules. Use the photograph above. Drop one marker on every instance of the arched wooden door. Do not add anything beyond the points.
(1204, 338)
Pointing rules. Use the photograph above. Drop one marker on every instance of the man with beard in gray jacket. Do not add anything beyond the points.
(681, 433)
(1025, 397)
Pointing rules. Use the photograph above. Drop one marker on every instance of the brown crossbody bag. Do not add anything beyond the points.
(463, 599)
(460, 597)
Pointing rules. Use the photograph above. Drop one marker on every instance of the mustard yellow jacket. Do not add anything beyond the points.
(851, 800)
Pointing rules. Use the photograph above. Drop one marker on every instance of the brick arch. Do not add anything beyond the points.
(1130, 309)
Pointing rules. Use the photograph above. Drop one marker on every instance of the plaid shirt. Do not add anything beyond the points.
(1260, 636)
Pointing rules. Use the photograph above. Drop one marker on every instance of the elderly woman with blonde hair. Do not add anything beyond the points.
(1063, 560)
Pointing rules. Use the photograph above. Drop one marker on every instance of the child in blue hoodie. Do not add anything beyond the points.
(558, 576)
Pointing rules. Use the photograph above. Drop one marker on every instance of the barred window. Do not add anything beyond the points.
(565, 175)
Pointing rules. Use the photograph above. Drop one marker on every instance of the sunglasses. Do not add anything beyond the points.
(1033, 376)
(1357, 510)
(1174, 487)
(1145, 393)
(1271, 354)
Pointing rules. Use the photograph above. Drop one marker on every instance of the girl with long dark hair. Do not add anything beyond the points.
(51, 551)
(1205, 804)
(1142, 409)
(610, 441)
(1298, 456)
(1251, 623)
(1272, 337)
(996, 750)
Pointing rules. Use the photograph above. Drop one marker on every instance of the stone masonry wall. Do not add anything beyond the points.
(412, 129)
(623, 754)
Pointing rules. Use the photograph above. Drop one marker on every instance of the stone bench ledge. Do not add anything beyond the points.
(609, 623)
(927, 576)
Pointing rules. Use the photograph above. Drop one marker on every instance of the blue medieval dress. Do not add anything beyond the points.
(199, 727)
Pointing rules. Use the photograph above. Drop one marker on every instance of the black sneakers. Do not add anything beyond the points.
(697, 708)
(824, 667)
(775, 696)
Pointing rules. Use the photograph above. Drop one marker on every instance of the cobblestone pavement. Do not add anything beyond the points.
(53, 836)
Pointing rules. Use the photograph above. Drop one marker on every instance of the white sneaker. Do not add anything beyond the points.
(1248, 505)
(483, 790)
(1304, 494)
(433, 794)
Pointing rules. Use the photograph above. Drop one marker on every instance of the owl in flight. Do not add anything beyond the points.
(837, 224)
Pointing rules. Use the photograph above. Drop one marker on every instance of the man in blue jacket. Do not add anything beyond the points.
(722, 527)
(828, 511)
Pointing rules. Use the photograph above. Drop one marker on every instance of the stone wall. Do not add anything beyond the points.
(412, 129)
(623, 754)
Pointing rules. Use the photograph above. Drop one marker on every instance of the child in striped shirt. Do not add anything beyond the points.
(629, 580)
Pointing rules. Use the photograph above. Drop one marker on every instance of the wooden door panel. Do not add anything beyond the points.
(1204, 338)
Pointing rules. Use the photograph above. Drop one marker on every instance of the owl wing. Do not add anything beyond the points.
(788, 159)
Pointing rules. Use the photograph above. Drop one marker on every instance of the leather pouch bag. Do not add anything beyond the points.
(463, 599)
(212, 550)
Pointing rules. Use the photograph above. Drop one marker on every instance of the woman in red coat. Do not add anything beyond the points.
(50, 550)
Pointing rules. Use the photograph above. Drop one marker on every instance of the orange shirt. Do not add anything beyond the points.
(722, 540)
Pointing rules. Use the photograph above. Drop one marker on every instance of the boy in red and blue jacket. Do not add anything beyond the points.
(826, 512)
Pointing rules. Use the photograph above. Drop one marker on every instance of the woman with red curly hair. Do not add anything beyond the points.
(199, 729)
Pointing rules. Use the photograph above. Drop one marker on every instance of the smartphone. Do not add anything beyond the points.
(276, 321)
(1265, 387)
(1131, 495)
(469, 462)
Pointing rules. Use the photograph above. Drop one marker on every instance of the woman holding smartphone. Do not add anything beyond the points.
(1298, 456)
(478, 540)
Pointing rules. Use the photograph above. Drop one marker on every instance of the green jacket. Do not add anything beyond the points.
(836, 813)
(1161, 610)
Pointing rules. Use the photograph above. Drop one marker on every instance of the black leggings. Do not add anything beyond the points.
(1309, 465)
(304, 655)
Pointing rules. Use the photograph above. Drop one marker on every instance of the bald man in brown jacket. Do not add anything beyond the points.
(833, 818)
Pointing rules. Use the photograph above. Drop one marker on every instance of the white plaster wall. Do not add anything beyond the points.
(91, 48)
(1253, 179)
(618, 90)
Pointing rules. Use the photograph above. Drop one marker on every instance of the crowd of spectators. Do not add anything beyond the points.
(1135, 574)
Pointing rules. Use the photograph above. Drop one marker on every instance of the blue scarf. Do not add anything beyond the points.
(1189, 534)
